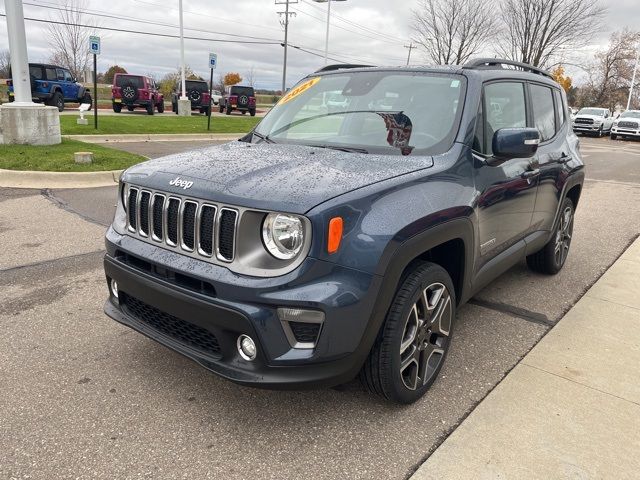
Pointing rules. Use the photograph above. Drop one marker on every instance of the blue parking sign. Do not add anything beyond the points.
(94, 45)
(213, 60)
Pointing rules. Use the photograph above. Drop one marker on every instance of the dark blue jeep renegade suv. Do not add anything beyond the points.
(339, 237)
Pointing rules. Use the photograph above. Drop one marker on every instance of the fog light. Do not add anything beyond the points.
(247, 347)
(114, 288)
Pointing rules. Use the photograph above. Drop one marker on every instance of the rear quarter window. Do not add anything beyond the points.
(36, 72)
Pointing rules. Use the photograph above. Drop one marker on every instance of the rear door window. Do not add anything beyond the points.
(129, 80)
(544, 117)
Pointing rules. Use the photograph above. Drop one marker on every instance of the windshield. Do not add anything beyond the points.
(631, 114)
(375, 112)
(592, 111)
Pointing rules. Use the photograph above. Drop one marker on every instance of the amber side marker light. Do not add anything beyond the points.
(335, 234)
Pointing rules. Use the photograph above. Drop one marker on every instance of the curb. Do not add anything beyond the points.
(178, 137)
(40, 180)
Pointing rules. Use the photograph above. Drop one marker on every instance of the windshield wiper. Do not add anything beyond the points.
(342, 149)
(264, 138)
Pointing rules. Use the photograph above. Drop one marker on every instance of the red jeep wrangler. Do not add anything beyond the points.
(134, 91)
(239, 98)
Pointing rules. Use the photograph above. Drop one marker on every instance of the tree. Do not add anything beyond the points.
(610, 73)
(5, 63)
(69, 40)
(540, 31)
(561, 78)
(232, 78)
(451, 31)
(250, 77)
(110, 73)
(171, 80)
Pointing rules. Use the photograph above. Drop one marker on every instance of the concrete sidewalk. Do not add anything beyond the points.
(571, 408)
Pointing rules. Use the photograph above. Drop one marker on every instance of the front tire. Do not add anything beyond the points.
(229, 109)
(150, 109)
(413, 342)
(552, 257)
(614, 136)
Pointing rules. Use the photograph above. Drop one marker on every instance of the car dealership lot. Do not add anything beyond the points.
(85, 397)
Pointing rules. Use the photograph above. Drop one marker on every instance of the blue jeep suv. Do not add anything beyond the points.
(54, 85)
(339, 237)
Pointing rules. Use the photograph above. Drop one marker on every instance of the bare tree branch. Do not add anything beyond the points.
(69, 41)
(539, 31)
(5, 63)
(452, 31)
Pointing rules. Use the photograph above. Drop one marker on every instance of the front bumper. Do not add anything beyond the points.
(627, 132)
(236, 305)
(586, 128)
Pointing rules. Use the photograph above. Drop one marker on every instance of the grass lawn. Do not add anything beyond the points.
(129, 124)
(59, 158)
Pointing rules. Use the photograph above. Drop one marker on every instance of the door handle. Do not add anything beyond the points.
(565, 158)
(530, 173)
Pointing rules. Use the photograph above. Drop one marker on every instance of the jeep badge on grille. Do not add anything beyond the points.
(178, 182)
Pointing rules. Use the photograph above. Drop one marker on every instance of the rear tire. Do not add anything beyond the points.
(252, 112)
(229, 109)
(58, 101)
(552, 257)
(161, 107)
(414, 340)
(117, 107)
(221, 108)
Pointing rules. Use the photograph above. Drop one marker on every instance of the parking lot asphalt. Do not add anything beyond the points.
(84, 397)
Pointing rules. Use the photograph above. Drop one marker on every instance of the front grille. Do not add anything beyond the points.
(189, 225)
(180, 330)
(584, 121)
(632, 125)
(305, 332)
(145, 197)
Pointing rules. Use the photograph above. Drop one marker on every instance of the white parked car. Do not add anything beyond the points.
(626, 125)
(598, 121)
(215, 97)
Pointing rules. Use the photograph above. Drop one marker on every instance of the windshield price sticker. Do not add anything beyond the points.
(299, 90)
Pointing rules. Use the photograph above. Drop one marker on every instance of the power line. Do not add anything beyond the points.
(357, 25)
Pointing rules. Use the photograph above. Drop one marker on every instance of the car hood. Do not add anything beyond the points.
(290, 178)
(592, 117)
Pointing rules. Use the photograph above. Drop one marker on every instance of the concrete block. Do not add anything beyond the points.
(83, 157)
(32, 124)
(184, 107)
(82, 121)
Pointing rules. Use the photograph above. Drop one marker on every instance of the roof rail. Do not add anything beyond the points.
(340, 66)
(489, 63)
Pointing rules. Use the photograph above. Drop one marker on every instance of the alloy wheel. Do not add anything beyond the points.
(425, 337)
(563, 236)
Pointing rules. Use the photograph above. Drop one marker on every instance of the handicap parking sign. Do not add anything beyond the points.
(213, 60)
(94, 45)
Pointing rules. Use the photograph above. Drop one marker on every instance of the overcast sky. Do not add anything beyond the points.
(371, 31)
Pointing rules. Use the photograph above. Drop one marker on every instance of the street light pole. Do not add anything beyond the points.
(183, 95)
(326, 41)
(18, 48)
(633, 78)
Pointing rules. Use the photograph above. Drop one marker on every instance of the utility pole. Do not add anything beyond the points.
(633, 78)
(411, 46)
(285, 24)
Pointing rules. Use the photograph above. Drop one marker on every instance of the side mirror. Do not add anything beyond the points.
(515, 143)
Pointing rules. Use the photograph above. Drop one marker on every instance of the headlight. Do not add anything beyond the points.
(283, 235)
